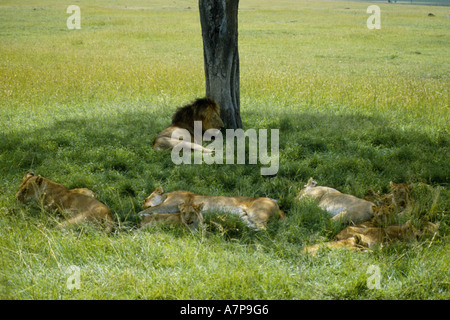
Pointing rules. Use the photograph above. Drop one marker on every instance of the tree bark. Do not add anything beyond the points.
(219, 21)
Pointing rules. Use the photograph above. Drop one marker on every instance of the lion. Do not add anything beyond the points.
(372, 236)
(79, 203)
(84, 191)
(362, 237)
(350, 243)
(401, 196)
(189, 215)
(343, 207)
(391, 205)
(399, 199)
(256, 212)
(205, 110)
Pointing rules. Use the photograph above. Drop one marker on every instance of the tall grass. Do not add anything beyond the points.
(356, 108)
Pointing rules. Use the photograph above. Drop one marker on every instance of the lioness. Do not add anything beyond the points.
(256, 212)
(344, 207)
(79, 203)
(205, 110)
(189, 214)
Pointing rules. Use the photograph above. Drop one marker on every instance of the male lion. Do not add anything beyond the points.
(205, 110)
(256, 212)
(79, 203)
(344, 207)
(189, 215)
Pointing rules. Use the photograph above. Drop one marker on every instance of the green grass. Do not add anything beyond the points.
(356, 108)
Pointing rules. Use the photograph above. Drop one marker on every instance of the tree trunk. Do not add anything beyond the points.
(219, 21)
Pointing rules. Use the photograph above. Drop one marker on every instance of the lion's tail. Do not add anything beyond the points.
(282, 215)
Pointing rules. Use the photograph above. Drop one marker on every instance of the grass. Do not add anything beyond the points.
(356, 108)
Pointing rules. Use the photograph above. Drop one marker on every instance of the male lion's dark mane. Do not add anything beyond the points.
(185, 116)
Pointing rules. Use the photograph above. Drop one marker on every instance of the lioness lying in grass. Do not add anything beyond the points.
(256, 212)
(343, 207)
(78, 203)
(189, 215)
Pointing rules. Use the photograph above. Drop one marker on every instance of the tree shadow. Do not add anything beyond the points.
(113, 156)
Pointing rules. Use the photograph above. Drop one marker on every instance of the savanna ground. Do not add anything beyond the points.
(356, 108)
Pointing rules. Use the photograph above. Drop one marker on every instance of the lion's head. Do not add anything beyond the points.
(157, 197)
(383, 214)
(205, 110)
(311, 184)
(30, 188)
(191, 214)
(401, 195)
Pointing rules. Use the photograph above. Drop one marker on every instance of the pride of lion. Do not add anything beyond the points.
(368, 222)
(378, 230)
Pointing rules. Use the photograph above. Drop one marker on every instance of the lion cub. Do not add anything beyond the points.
(372, 236)
(79, 203)
(361, 237)
(256, 212)
(344, 207)
(189, 215)
(350, 243)
(398, 200)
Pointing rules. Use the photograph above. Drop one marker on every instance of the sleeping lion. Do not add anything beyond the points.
(343, 207)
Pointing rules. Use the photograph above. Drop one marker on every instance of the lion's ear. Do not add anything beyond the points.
(159, 190)
(200, 206)
(311, 183)
(28, 175)
(181, 206)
